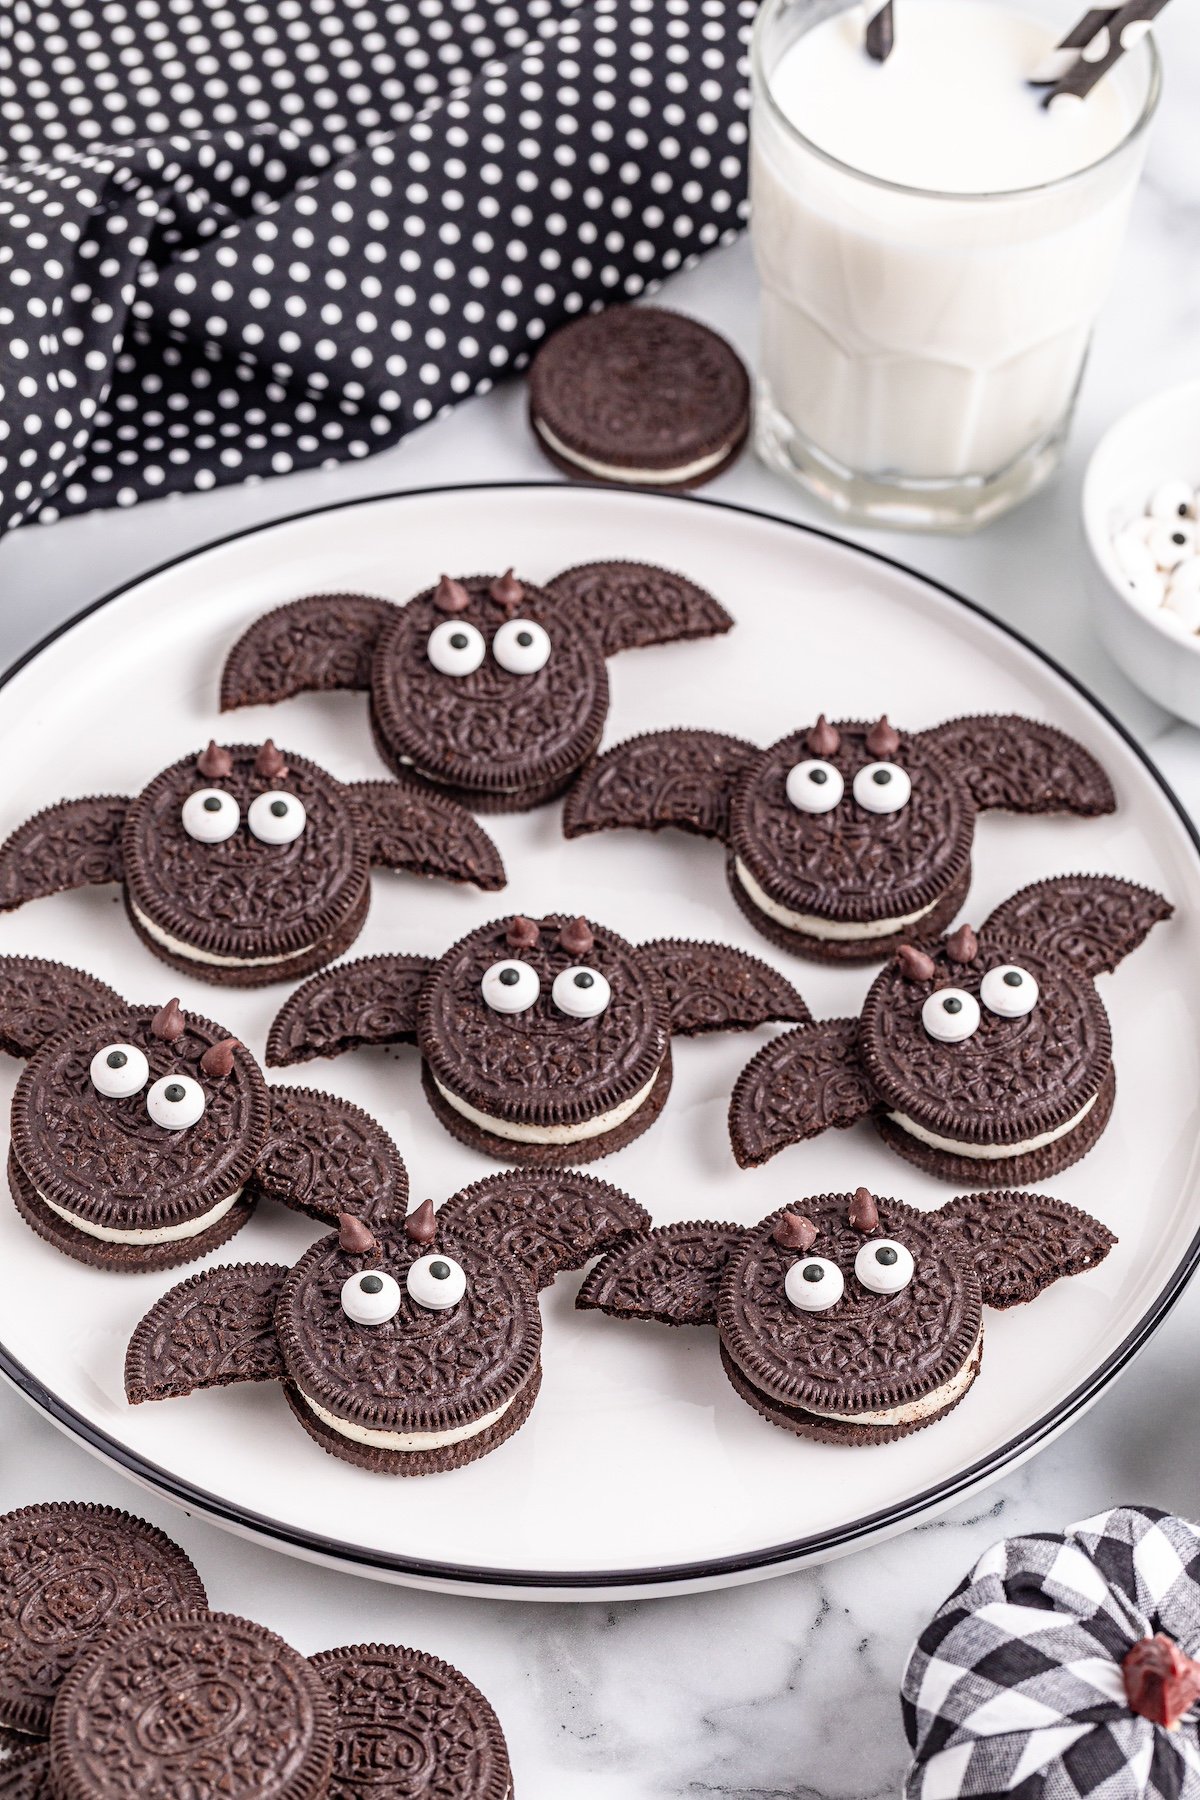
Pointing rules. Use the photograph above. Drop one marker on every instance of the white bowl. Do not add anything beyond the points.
(1157, 440)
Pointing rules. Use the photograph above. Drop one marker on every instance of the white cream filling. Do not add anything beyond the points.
(177, 947)
(923, 1408)
(648, 477)
(548, 1134)
(836, 930)
(990, 1152)
(156, 1234)
(404, 1440)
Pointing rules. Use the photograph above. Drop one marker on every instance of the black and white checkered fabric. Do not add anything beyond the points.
(239, 237)
(1015, 1687)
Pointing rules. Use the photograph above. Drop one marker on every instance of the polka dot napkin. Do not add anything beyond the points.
(239, 238)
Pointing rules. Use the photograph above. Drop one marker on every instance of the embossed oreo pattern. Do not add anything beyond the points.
(74, 844)
(213, 1330)
(369, 1001)
(40, 998)
(325, 641)
(626, 605)
(563, 1221)
(327, 1156)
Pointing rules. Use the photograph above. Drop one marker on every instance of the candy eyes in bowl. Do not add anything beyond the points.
(951, 1015)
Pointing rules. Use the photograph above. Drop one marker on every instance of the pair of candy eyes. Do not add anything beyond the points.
(882, 1266)
(951, 1015)
(817, 787)
(521, 646)
(513, 987)
(435, 1282)
(174, 1101)
(210, 816)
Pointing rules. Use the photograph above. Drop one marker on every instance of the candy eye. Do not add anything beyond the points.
(815, 787)
(884, 1266)
(210, 816)
(435, 1282)
(119, 1070)
(882, 787)
(1009, 991)
(814, 1284)
(456, 648)
(581, 993)
(276, 818)
(521, 646)
(371, 1299)
(511, 987)
(950, 1015)
(175, 1102)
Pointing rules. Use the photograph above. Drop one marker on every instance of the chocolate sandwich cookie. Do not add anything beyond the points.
(985, 1057)
(851, 1319)
(843, 840)
(639, 396)
(246, 865)
(25, 1773)
(492, 689)
(189, 1704)
(406, 1350)
(142, 1137)
(544, 1042)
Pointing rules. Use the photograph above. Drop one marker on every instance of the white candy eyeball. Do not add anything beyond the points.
(510, 987)
(119, 1070)
(371, 1298)
(210, 816)
(276, 818)
(581, 993)
(175, 1102)
(1170, 545)
(1183, 595)
(883, 1266)
(814, 1284)
(815, 786)
(1009, 991)
(1150, 590)
(522, 646)
(950, 1015)
(882, 787)
(1132, 555)
(435, 1282)
(456, 647)
(1172, 500)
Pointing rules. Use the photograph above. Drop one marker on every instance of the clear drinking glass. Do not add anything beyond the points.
(921, 351)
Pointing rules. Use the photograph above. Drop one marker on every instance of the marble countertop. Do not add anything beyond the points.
(787, 1687)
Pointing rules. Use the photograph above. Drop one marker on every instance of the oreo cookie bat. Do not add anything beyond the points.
(850, 1319)
(984, 1058)
(408, 1349)
(544, 1042)
(842, 840)
(490, 688)
(246, 865)
(143, 1137)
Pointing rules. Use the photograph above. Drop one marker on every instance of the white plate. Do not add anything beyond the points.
(639, 1470)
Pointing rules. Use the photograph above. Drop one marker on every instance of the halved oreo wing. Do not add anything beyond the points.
(680, 778)
(713, 987)
(1021, 1243)
(312, 645)
(1023, 765)
(72, 845)
(370, 1001)
(424, 834)
(326, 1156)
(548, 1220)
(807, 1081)
(214, 1330)
(1091, 921)
(39, 999)
(672, 1275)
(626, 605)
(25, 1772)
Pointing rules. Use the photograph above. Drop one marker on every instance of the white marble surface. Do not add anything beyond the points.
(787, 1687)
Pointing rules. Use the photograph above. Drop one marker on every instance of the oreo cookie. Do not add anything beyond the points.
(244, 865)
(851, 1319)
(639, 396)
(984, 1057)
(492, 689)
(845, 840)
(544, 1042)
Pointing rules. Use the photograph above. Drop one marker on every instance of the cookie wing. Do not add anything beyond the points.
(1091, 921)
(672, 1275)
(1021, 1243)
(424, 834)
(807, 1081)
(1023, 765)
(627, 605)
(548, 1220)
(326, 1156)
(214, 1330)
(25, 1771)
(312, 645)
(370, 1001)
(72, 845)
(713, 987)
(681, 778)
(39, 999)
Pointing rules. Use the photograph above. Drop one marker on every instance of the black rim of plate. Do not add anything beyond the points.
(712, 1570)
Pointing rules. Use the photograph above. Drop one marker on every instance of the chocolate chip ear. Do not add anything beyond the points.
(326, 1156)
(1021, 1243)
(807, 1081)
(1022, 765)
(546, 1219)
(313, 645)
(682, 778)
(39, 999)
(213, 1330)
(1091, 921)
(370, 1001)
(713, 987)
(424, 834)
(672, 1275)
(625, 605)
(72, 845)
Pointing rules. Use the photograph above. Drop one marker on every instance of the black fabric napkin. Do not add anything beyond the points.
(239, 237)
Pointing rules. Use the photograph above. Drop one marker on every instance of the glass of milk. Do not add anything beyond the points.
(933, 245)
